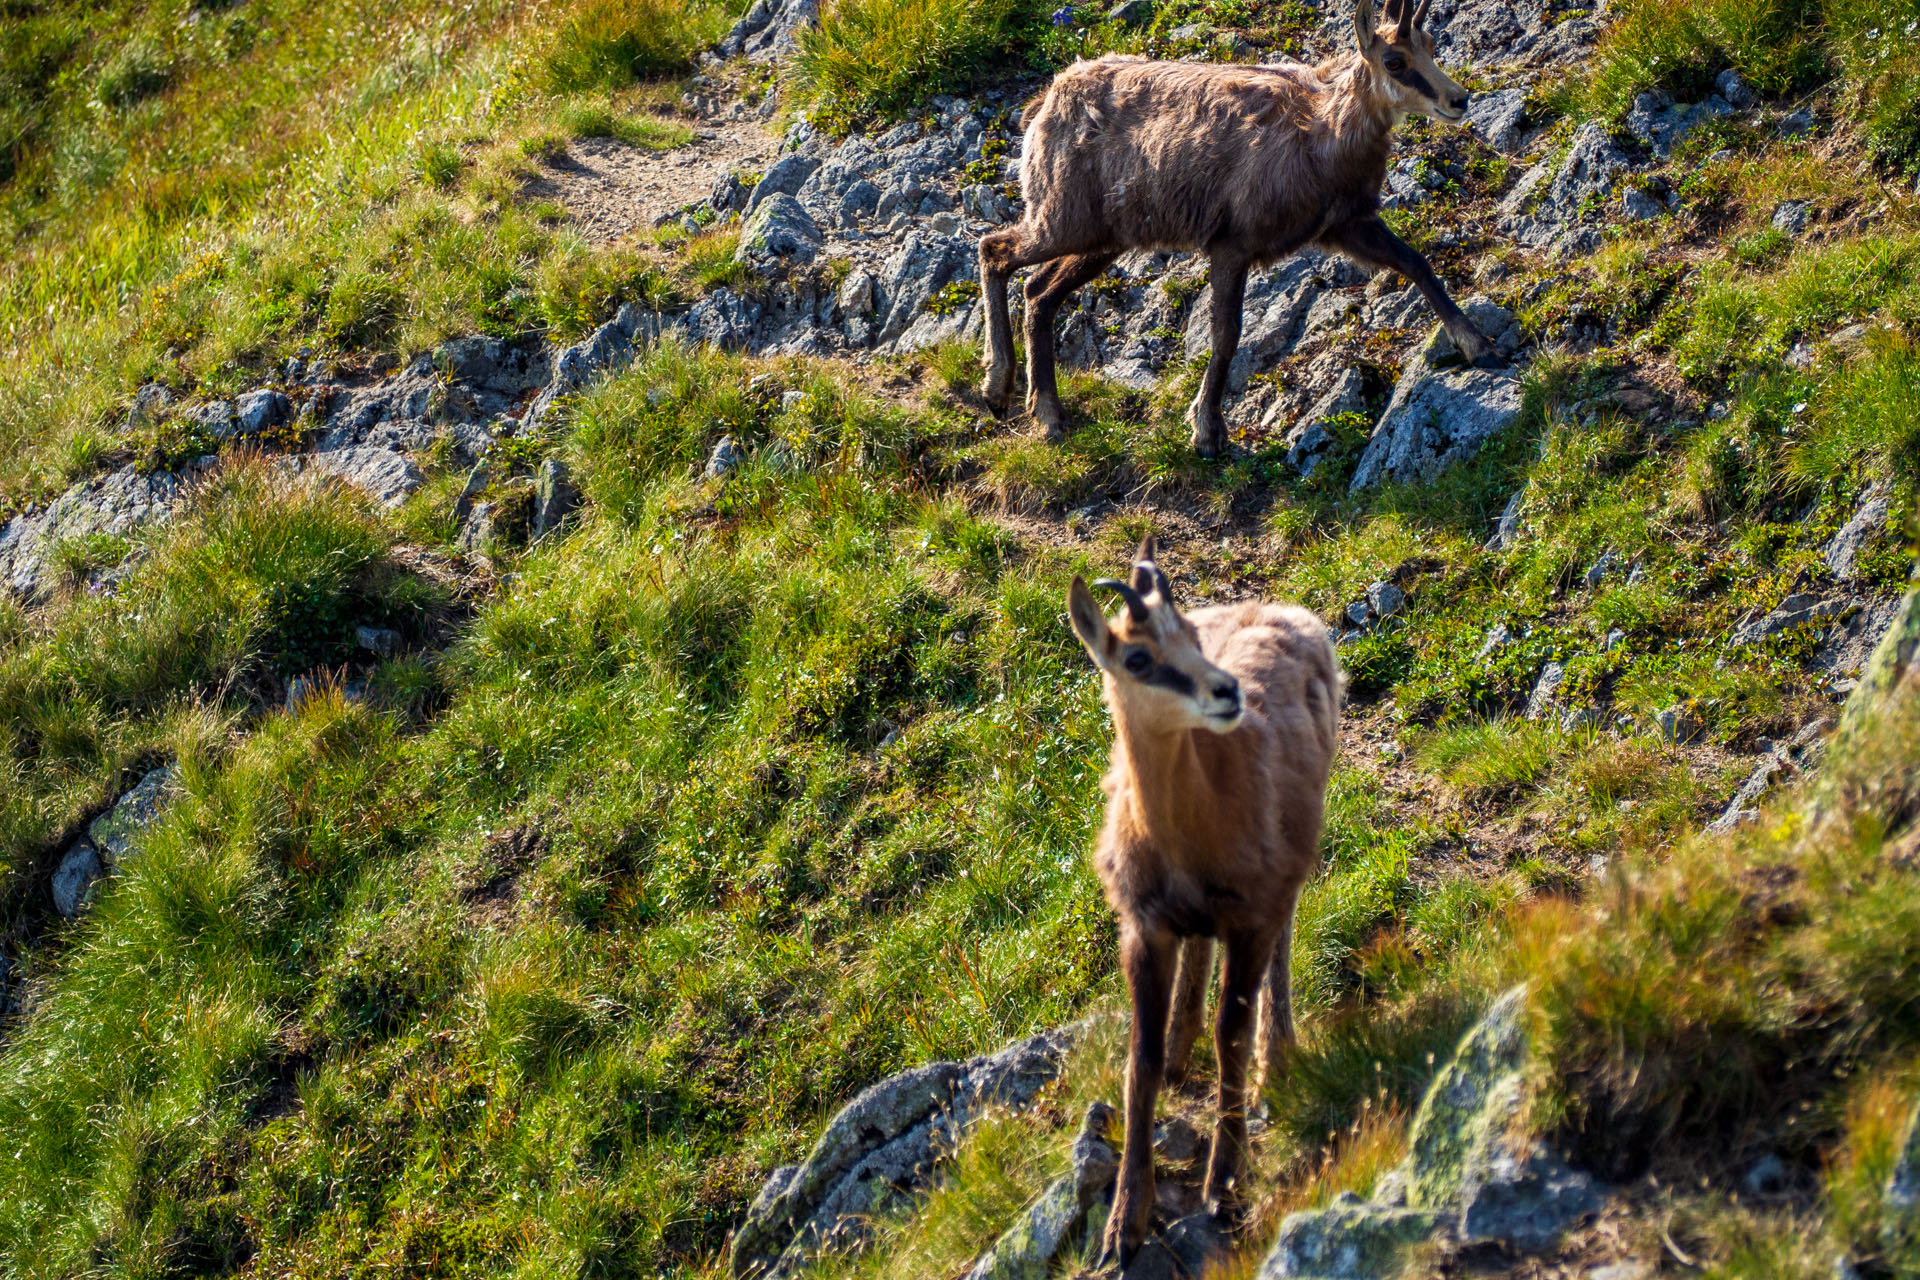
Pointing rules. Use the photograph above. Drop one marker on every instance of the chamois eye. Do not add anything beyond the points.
(1396, 63)
(1137, 662)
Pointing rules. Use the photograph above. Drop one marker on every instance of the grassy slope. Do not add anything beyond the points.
(738, 798)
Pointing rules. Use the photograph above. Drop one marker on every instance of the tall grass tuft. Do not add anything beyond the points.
(610, 43)
(884, 57)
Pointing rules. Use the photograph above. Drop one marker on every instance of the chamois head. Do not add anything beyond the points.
(1401, 54)
(1151, 655)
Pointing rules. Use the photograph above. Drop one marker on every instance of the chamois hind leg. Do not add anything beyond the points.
(1189, 1005)
(1001, 254)
(1227, 273)
(1273, 1032)
(1242, 970)
(1046, 290)
(1371, 243)
(1147, 960)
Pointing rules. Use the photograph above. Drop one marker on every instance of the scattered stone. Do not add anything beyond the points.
(1385, 599)
(1132, 13)
(1597, 572)
(1797, 124)
(784, 178)
(1745, 805)
(1767, 1176)
(1507, 528)
(383, 642)
(1660, 124)
(150, 404)
(1545, 690)
(1791, 216)
(1500, 118)
(1359, 614)
(110, 841)
(1848, 646)
(555, 496)
(1640, 205)
(1497, 639)
(1678, 726)
(1176, 1141)
(1312, 442)
(1736, 92)
(725, 457)
(118, 504)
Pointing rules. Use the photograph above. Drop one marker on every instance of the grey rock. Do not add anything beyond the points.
(784, 177)
(1546, 201)
(729, 193)
(1848, 646)
(119, 504)
(1500, 118)
(724, 319)
(1311, 442)
(1640, 205)
(1495, 323)
(388, 477)
(778, 231)
(74, 878)
(1867, 523)
(1385, 599)
(1657, 122)
(1436, 419)
(726, 456)
(1497, 638)
(1527, 1202)
(1766, 1176)
(1797, 124)
(477, 481)
(1546, 690)
(150, 403)
(1274, 310)
(1132, 13)
(257, 411)
(1349, 1240)
(1190, 32)
(1791, 216)
(883, 1144)
(1597, 572)
(1801, 609)
(215, 417)
(1903, 1184)
(114, 833)
(1678, 726)
(1507, 528)
(1737, 93)
(382, 641)
(983, 202)
(1359, 614)
(555, 497)
(1061, 1216)
(607, 348)
(770, 29)
(922, 266)
(477, 532)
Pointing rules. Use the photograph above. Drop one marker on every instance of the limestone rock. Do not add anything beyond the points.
(555, 496)
(386, 476)
(1507, 528)
(1436, 419)
(1867, 523)
(1312, 441)
(1801, 609)
(784, 177)
(1546, 690)
(1066, 1213)
(119, 504)
(769, 30)
(1348, 1240)
(779, 231)
(73, 879)
(111, 839)
(1500, 118)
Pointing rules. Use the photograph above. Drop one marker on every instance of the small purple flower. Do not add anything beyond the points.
(1063, 17)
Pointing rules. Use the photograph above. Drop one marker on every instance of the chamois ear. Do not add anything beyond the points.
(1363, 26)
(1089, 623)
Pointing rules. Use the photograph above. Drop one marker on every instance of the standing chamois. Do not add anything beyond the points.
(1245, 163)
(1225, 725)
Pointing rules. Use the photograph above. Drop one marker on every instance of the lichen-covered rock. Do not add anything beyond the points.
(1349, 1240)
(883, 1144)
(110, 841)
(770, 29)
(1313, 439)
(1467, 1176)
(73, 879)
(1866, 524)
(117, 504)
(1895, 661)
(1068, 1212)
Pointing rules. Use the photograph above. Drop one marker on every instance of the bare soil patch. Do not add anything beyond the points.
(610, 190)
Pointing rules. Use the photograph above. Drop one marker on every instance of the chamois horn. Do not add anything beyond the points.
(1136, 607)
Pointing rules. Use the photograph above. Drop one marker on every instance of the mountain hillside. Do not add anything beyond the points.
(541, 736)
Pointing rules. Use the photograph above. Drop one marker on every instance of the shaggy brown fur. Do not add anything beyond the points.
(1225, 726)
(1248, 164)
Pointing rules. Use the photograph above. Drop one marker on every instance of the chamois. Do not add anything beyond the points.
(1245, 163)
(1225, 725)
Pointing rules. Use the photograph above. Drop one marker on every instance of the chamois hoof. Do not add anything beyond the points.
(997, 388)
(1050, 416)
(1489, 360)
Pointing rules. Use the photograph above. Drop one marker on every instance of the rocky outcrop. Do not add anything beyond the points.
(770, 29)
(882, 1145)
(1470, 1174)
(1071, 1212)
(1440, 416)
(110, 840)
(118, 504)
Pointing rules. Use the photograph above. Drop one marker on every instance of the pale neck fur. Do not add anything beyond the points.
(1165, 781)
(1357, 118)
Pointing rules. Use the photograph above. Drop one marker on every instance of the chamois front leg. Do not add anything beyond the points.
(997, 254)
(1189, 1006)
(1147, 959)
(1047, 288)
(1370, 242)
(1227, 273)
(1243, 970)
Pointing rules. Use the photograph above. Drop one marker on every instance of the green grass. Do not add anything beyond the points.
(882, 57)
(606, 44)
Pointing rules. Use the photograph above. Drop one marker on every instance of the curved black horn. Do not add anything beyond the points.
(1420, 14)
(1161, 586)
(1136, 607)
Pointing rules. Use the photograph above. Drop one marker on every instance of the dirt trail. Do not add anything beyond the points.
(611, 190)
